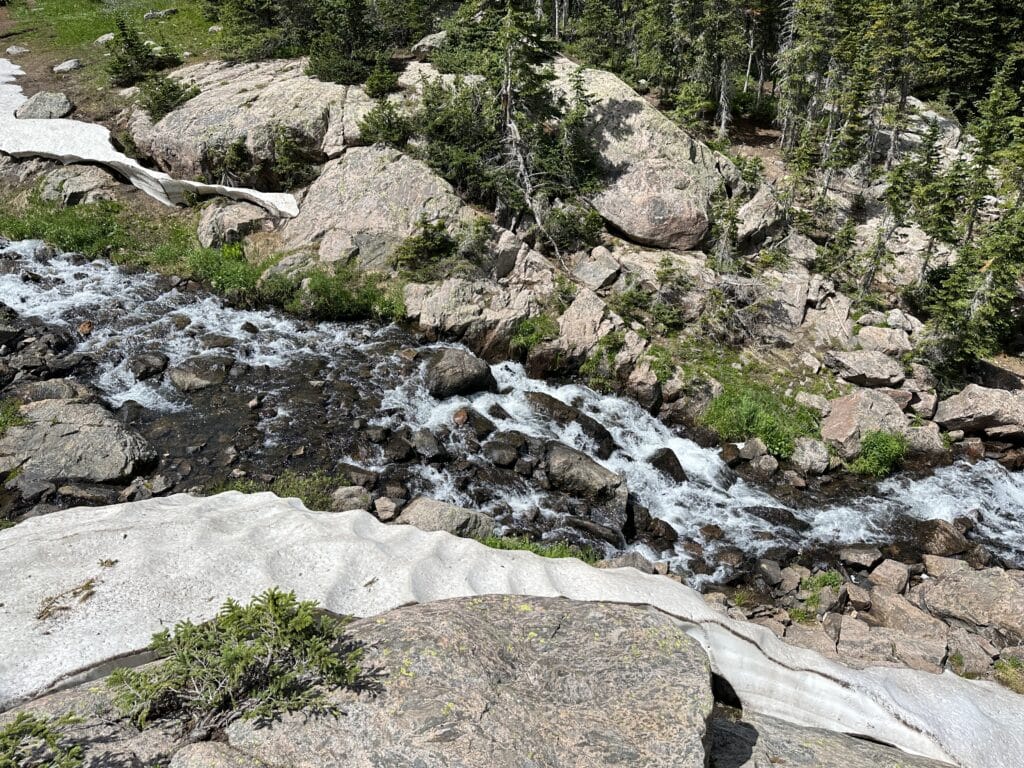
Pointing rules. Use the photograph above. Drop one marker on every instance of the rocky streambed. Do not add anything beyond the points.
(133, 384)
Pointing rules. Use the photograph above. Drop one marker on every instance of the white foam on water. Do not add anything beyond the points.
(135, 313)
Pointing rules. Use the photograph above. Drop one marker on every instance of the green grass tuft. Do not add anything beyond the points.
(10, 415)
(881, 453)
(749, 409)
(532, 331)
(555, 549)
(1010, 672)
(314, 488)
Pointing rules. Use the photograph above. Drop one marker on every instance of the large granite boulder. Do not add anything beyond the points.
(74, 441)
(478, 681)
(453, 372)
(977, 409)
(223, 223)
(75, 184)
(660, 180)
(866, 368)
(249, 103)
(365, 203)
(991, 601)
(855, 415)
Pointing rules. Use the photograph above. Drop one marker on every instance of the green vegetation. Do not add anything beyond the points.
(819, 581)
(160, 95)
(555, 549)
(532, 331)
(131, 60)
(254, 662)
(881, 453)
(313, 489)
(599, 369)
(1010, 672)
(420, 254)
(384, 125)
(10, 415)
(382, 80)
(802, 615)
(747, 409)
(30, 740)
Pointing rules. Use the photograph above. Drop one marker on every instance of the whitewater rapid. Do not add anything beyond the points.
(141, 312)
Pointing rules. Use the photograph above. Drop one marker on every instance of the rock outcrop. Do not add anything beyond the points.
(660, 179)
(855, 415)
(365, 203)
(979, 409)
(430, 515)
(453, 372)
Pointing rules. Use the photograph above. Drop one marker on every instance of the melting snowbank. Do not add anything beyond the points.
(180, 557)
(73, 141)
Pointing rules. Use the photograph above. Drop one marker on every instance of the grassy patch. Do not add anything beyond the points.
(802, 615)
(749, 409)
(881, 453)
(253, 662)
(314, 488)
(10, 415)
(555, 549)
(532, 331)
(30, 740)
(599, 368)
(1010, 672)
(819, 581)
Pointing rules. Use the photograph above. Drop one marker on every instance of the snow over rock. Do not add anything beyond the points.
(180, 557)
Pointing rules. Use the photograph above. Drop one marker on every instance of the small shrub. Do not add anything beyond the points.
(599, 368)
(747, 409)
(382, 80)
(384, 125)
(329, 63)
(573, 227)
(294, 165)
(29, 740)
(421, 253)
(556, 549)
(252, 662)
(313, 489)
(881, 453)
(1010, 672)
(10, 415)
(131, 60)
(231, 165)
(531, 331)
(160, 95)
(347, 294)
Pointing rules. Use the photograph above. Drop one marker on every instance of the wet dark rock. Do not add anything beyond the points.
(375, 435)
(526, 466)
(500, 453)
(666, 462)
(937, 537)
(427, 446)
(476, 421)
(575, 472)
(731, 454)
(89, 494)
(148, 365)
(458, 372)
(778, 516)
(198, 373)
(563, 414)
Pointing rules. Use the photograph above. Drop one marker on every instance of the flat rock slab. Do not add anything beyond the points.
(757, 741)
(180, 557)
(68, 440)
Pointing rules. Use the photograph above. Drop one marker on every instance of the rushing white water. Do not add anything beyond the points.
(133, 313)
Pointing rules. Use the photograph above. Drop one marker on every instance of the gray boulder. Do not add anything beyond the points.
(759, 217)
(224, 223)
(430, 515)
(45, 105)
(198, 373)
(480, 681)
(453, 372)
(991, 600)
(660, 179)
(67, 66)
(249, 103)
(74, 441)
(425, 47)
(365, 203)
(888, 341)
(574, 472)
(866, 368)
(75, 184)
(979, 408)
(855, 415)
(350, 497)
(810, 456)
